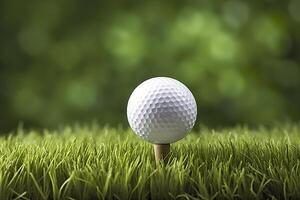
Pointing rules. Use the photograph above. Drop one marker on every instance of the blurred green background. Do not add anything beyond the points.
(64, 61)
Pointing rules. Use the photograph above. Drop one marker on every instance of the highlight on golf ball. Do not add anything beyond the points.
(161, 110)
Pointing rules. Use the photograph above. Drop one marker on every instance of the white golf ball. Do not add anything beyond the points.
(161, 110)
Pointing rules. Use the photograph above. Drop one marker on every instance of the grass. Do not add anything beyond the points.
(105, 163)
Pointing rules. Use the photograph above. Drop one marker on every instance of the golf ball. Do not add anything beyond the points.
(161, 110)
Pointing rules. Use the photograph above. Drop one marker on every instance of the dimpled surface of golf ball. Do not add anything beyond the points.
(161, 110)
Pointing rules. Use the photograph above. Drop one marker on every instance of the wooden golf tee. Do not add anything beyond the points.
(161, 152)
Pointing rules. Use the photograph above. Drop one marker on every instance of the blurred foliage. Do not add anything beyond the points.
(63, 61)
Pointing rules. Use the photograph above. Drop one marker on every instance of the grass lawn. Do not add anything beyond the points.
(105, 163)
